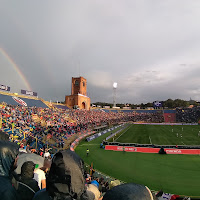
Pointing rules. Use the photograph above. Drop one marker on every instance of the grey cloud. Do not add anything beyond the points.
(143, 45)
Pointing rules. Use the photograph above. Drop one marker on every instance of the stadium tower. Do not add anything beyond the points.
(78, 97)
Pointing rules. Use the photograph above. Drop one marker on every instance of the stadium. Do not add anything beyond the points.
(158, 148)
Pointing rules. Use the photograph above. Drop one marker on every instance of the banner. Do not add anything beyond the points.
(152, 150)
(101, 133)
(157, 104)
(26, 92)
(4, 87)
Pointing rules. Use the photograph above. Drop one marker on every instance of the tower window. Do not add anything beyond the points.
(83, 84)
(76, 83)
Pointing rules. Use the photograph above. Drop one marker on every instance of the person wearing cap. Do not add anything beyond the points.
(27, 186)
(40, 177)
(8, 156)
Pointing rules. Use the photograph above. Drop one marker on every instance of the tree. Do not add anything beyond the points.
(168, 103)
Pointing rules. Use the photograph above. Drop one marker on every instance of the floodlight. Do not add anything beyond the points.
(114, 85)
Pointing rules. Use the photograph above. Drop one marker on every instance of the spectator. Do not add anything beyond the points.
(129, 191)
(4, 136)
(27, 186)
(46, 166)
(8, 157)
(94, 188)
(46, 154)
(40, 177)
(65, 179)
(114, 183)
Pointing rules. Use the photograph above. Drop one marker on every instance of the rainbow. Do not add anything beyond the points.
(16, 68)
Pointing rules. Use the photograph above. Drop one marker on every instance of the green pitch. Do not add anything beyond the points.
(161, 134)
(178, 174)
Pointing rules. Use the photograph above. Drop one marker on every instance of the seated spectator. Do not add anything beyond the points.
(94, 188)
(46, 154)
(27, 186)
(114, 183)
(65, 179)
(8, 157)
(162, 196)
(129, 191)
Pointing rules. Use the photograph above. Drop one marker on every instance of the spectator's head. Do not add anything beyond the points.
(8, 157)
(65, 177)
(46, 165)
(27, 170)
(4, 136)
(94, 189)
(114, 183)
(129, 191)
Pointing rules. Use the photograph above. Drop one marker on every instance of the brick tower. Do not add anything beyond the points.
(78, 97)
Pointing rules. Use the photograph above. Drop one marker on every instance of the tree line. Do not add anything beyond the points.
(169, 103)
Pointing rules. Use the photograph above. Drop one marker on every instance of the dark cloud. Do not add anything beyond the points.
(144, 46)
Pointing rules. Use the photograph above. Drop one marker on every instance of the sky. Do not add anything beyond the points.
(150, 48)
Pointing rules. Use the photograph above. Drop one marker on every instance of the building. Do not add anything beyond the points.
(78, 98)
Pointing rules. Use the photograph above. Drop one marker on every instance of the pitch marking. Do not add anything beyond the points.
(150, 140)
(123, 133)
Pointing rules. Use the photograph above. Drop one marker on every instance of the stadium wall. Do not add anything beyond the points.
(152, 150)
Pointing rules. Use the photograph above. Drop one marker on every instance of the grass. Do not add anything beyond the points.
(162, 135)
(177, 174)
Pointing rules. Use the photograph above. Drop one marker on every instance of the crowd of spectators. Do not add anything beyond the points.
(64, 179)
(62, 176)
(59, 124)
(188, 115)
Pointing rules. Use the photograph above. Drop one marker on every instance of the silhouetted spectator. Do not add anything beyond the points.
(65, 179)
(27, 186)
(4, 136)
(8, 157)
(129, 191)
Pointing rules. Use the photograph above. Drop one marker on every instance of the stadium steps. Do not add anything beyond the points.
(61, 106)
(47, 103)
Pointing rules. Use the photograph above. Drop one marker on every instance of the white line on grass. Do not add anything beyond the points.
(150, 140)
(122, 133)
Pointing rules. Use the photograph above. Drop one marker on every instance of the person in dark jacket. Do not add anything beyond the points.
(8, 159)
(65, 180)
(129, 191)
(27, 186)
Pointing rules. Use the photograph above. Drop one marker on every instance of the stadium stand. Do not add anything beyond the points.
(127, 111)
(37, 127)
(64, 107)
(188, 115)
(15, 100)
(170, 116)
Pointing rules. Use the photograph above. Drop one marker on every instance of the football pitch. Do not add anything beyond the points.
(161, 134)
(177, 174)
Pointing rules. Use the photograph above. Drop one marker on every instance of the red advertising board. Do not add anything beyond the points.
(152, 150)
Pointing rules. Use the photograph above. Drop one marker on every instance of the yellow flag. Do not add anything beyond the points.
(13, 126)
